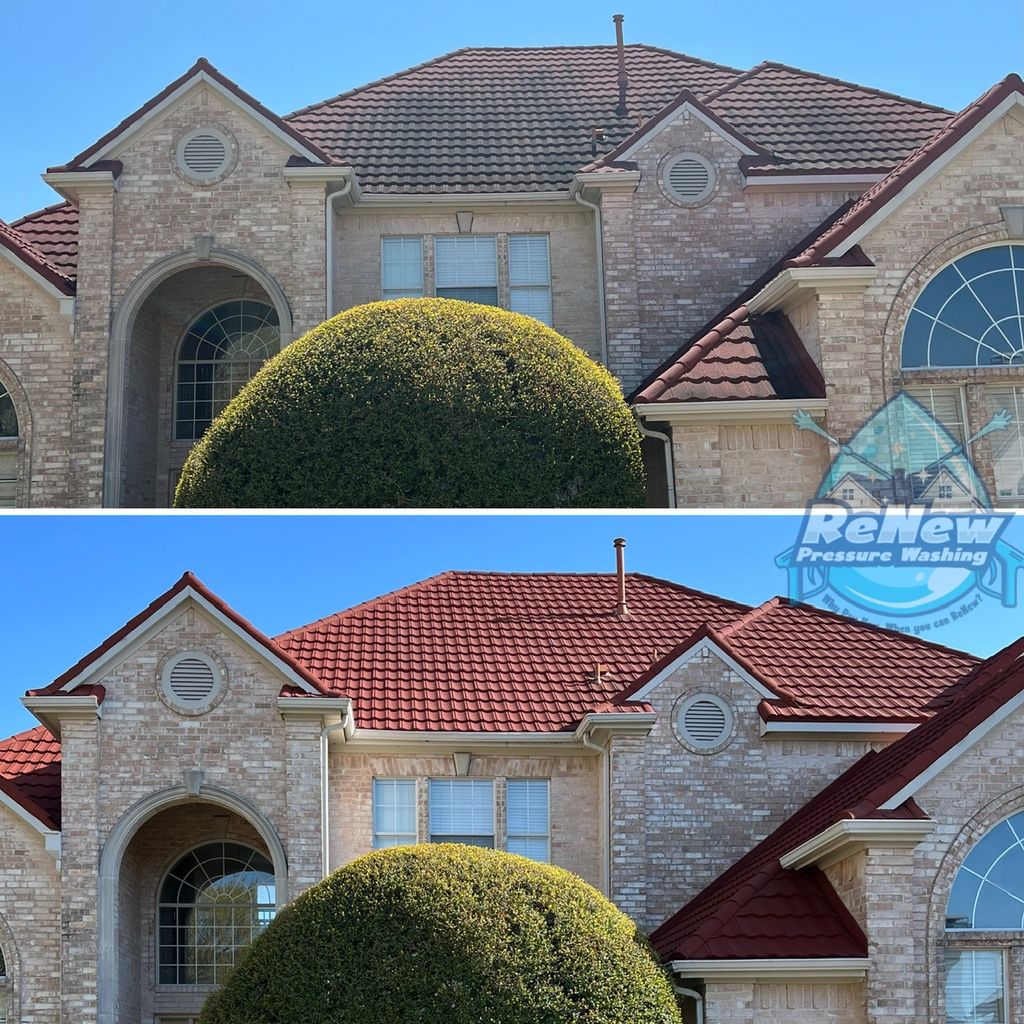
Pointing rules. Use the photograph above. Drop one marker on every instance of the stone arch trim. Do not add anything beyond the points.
(9, 379)
(984, 819)
(110, 868)
(12, 963)
(123, 324)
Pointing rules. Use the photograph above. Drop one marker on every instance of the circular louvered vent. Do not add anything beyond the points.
(191, 681)
(704, 721)
(689, 178)
(203, 154)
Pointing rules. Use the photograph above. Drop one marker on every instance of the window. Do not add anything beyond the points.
(930, 443)
(213, 903)
(462, 811)
(401, 261)
(466, 267)
(528, 829)
(971, 314)
(394, 812)
(1008, 445)
(847, 494)
(8, 449)
(975, 992)
(529, 276)
(5, 991)
(219, 354)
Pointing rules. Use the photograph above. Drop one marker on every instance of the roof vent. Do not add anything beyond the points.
(704, 722)
(191, 681)
(203, 154)
(689, 178)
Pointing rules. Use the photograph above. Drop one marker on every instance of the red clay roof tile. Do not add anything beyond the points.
(28, 253)
(53, 231)
(30, 773)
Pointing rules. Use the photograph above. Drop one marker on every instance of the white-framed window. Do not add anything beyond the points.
(466, 267)
(975, 986)
(528, 804)
(394, 812)
(401, 268)
(8, 449)
(462, 811)
(1008, 444)
(5, 990)
(529, 276)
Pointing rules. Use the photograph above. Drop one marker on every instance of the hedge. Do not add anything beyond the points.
(447, 934)
(419, 403)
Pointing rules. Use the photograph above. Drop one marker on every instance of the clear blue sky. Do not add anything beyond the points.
(70, 581)
(68, 77)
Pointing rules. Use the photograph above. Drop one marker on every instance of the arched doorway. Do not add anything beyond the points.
(186, 337)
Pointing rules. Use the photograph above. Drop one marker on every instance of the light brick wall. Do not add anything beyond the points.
(357, 257)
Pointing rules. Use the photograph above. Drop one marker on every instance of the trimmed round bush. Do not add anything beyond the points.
(447, 934)
(421, 403)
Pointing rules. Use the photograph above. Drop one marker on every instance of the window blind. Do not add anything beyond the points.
(466, 267)
(394, 812)
(529, 276)
(1008, 445)
(401, 268)
(528, 809)
(462, 810)
(974, 987)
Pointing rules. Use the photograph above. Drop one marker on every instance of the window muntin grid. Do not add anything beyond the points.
(394, 812)
(988, 891)
(528, 808)
(1008, 445)
(462, 811)
(975, 989)
(213, 903)
(970, 314)
(219, 354)
(8, 449)
(529, 276)
(401, 262)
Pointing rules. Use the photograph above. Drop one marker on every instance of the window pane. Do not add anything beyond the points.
(974, 987)
(466, 261)
(8, 417)
(402, 268)
(535, 302)
(461, 809)
(988, 891)
(1008, 445)
(485, 296)
(528, 802)
(528, 262)
(8, 478)
(394, 812)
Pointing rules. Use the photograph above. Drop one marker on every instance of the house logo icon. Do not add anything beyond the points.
(902, 531)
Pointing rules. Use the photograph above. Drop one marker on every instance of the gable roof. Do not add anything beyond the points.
(30, 774)
(758, 909)
(202, 70)
(26, 253)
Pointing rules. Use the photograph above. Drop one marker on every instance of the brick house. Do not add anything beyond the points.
(816, 819)
(734, 245)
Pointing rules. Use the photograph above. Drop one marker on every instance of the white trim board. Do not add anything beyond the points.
(924, 176)
(706, 644)
(851, 730)
(753, 410)
(838, 969)
(684, 111)
(51, 838)
(839, 841)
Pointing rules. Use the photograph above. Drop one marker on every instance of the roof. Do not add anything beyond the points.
(53, 232)
(30, 774)
(29, 254)
(758, 909)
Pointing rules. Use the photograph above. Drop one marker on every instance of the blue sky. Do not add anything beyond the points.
(67, 79)
(70, 581)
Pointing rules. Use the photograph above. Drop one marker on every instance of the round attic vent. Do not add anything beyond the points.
(704, 721)
(689, 178)
(203, 154)
(191, 681)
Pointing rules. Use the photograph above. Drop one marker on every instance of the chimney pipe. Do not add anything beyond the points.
(620, 571)
(621, 109)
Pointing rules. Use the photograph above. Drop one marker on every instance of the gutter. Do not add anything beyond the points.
(606, 815)
(347, 725)
(577, 194)
(329, 211)
(670, 474)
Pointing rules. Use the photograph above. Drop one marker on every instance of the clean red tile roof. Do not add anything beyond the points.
(758, 909)
(30, 774)
(54, 233)
(26, 251)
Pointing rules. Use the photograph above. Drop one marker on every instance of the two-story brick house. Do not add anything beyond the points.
(817, 819)
(687, 224)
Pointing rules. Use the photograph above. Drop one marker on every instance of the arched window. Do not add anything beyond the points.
(971, 314)
(5, 991)
(213, 903)
(219, 354)
(8, 449)
(986, 902)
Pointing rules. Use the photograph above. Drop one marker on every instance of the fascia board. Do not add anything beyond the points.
(818, 969)
(685, 110)
(924, 176)
(398, 739)
(790, 286)
(768, 410)
(326, 709)
(617, 723)
(849, 730)
(839, 841)
(66, 302)
(454, 200)
(775, 182)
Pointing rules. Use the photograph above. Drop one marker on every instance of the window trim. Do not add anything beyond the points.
(423, 268)
(1004, 974)
(494, 834)
(1014, 386)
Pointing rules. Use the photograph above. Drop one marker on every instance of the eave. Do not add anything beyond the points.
(51, 711)
(818, 969)
(850, 836)
(753, 410)
(794, 284)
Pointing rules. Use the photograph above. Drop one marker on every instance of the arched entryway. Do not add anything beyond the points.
(185, 338)
(185, 882)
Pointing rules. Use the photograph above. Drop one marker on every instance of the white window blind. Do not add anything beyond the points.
(1008, 445)
(462, 811)
(401, 268)
(394, 812)
(466, 267)
(8, 478)
(529, 276)
(974, 987)
(529, 815)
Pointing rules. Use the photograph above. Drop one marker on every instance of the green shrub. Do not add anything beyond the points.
(447, 935)
(420, 403)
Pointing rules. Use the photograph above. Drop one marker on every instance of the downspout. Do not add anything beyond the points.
(670, 475)
(325, 812)
(606, 824)
(329, 210)
(599, 248)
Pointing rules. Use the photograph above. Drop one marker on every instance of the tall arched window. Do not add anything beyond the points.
(5, 991)
(219, 354)
(971, 314)
(213, 903)
(8, 449)
(986, 906)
